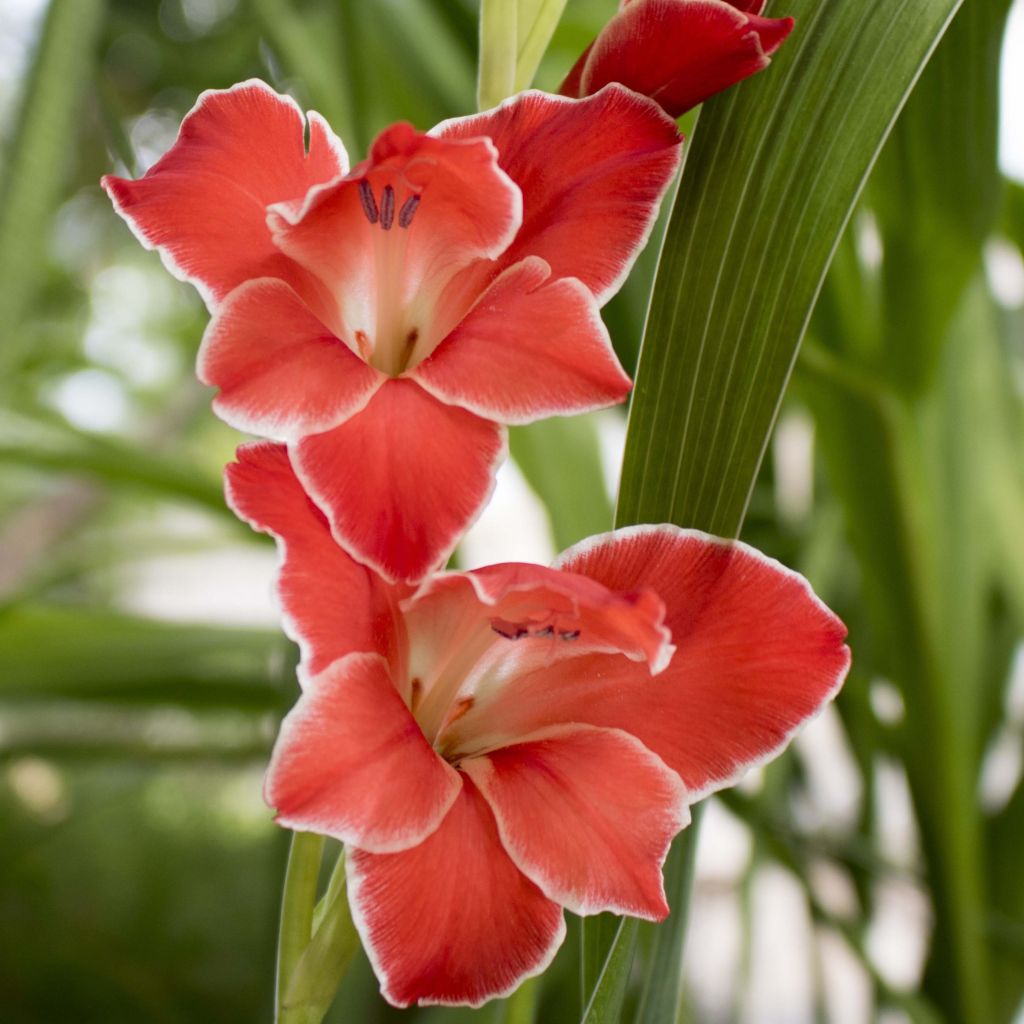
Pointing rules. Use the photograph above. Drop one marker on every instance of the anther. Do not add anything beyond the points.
(508, 630)
(369, 203)
(387, 208)
(569, 634)
(408, 210)
(546, 631)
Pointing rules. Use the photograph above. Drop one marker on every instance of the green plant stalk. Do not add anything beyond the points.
(498, 48)
(325, 961)
(538, 20)
(296, 927)
(662, 991)
(521, 1006)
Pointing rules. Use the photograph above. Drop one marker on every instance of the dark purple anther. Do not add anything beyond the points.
(369, 203)
(405, 215)
(569, 634)
(387, 208)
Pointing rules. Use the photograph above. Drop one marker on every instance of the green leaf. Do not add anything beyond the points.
(561, 460)
(662, 987)
(772, 176)
(605, 1006)
(944, 148)
(39, 156)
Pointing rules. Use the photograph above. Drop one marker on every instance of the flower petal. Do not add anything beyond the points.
(473, 632)
(332, 605)
(453, 920)
(587, 814)
(280, 371)
(757, 656)
(388, 238)
(532, 347)
(401, 480)
(592, 172)
(203, 204)
(678, 52)
(350, 762)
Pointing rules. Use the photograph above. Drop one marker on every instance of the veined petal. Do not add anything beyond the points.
(531, 347)
(587, 814)
(386, 239)
(679, 52)
(452, 920)
(332, 605)
(758, 655)
(203, 204)
(350, 762)
(401, 480)
(592, 173)
(280, 371)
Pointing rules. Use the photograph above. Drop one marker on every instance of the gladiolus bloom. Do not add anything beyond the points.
(679, 52)
(385, 322)
(496, 745)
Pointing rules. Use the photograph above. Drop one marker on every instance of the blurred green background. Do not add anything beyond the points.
(142, 673)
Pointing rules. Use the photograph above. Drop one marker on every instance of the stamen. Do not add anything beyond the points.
(363, 344)
(569, 634)
(387, 208)
(508, 630)
(408, 210)
(546, 631)
(369, 203)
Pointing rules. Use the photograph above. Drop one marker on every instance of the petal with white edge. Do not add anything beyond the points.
(452, 921)
(587, 814)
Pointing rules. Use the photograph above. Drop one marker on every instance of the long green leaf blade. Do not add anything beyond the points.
(769, 184)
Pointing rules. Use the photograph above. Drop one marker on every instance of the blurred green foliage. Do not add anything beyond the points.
(140, 875)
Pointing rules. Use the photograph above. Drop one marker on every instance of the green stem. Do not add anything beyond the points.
(663, 990)
(537, 24)
(296, 928)
(521, 1006)
(326, 960)
(498, 36)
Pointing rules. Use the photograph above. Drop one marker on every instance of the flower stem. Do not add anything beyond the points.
(498, 49)
(538, 20)
(314, 982)
(296, 928)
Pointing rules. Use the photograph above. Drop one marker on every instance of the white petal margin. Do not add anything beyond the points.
(585, 901)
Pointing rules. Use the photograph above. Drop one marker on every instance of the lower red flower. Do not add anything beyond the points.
(679, 52)
(499, 744)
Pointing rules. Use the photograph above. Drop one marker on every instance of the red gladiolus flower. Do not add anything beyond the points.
(679, 52)
(498, 744)
(385, 321)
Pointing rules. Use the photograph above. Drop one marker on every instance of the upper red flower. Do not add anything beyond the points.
(499, 744)
(679, 52)
(385, 322)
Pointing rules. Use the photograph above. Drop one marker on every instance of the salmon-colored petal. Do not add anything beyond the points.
(757, 656)
(203, 205)
(332, 605)
(452, 920)
(280, 371)
(678, 52)
(389, 237)
(592, 173)
(401, 480)
(351, 762)
(587, 814)
(532, 347)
